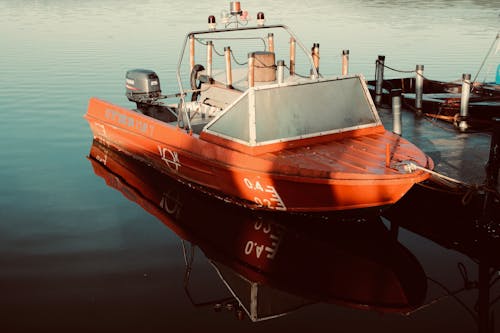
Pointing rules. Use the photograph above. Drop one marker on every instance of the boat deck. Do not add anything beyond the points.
(352, 155)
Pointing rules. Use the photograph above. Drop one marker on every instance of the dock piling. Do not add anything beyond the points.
(396, 111)
(345, 62)
(379, 77)
(464, 102)
(419, 88)
(493, 165)
(492, 169)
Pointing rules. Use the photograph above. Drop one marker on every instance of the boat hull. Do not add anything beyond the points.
(254, 181)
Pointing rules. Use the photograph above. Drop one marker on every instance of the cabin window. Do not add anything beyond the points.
(306, 109)
(302, 109)
(234, 124)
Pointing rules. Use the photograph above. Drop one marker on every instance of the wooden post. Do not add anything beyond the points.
(251, 70)
(210, 46)
(396, 111)
(419, 88)
(315, 55)
(464, 103)
(229, 73)
(270, 41)
(191, 52)
(292, 56)
(345, 62)
(379, 77)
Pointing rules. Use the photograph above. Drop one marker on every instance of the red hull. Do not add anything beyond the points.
(329, 173)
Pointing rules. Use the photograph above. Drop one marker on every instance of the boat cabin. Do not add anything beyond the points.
(252, 95)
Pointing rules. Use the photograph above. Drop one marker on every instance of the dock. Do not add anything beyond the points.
(467, 102)
(443, 100)
(462, 156)
(465, 213)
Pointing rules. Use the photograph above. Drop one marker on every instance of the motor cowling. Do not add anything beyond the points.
(142, 85)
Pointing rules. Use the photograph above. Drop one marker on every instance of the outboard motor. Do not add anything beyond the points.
(143, 86)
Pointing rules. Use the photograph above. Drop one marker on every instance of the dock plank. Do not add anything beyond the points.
(462, 156)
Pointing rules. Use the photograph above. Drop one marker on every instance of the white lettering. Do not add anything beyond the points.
(171, 158)
(258, 225)
(258, 186)
(248, 247)
(248, 183)
(258, 250)
(269, 198)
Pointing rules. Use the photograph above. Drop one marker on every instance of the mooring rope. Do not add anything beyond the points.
(471, 188)
(406, 72)
(432, 119)
(411, 167)
(393, 69)
(448, 293)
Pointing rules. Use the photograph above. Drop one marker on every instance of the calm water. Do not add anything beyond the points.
(81, 251)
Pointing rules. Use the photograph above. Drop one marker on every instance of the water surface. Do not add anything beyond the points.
(76, 253)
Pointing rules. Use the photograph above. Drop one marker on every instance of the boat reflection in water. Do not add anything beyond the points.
(469, 224)
(275, 264)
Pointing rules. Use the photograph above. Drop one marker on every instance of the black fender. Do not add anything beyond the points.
(195, 84)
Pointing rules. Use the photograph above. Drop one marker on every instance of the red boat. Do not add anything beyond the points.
(258, 135)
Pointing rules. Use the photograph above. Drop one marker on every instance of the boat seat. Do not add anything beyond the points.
(218, 95)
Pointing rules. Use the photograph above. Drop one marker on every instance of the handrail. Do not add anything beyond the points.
(203, 32)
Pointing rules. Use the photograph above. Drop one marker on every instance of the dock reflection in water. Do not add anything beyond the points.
(470, 225)
(273, 264)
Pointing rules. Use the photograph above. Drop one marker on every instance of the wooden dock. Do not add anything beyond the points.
(442, 100)
(462, 156)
